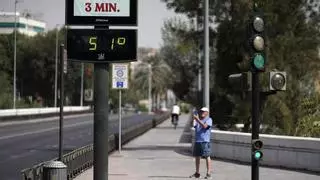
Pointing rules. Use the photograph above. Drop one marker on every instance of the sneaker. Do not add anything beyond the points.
(195, 175)
(208, 176)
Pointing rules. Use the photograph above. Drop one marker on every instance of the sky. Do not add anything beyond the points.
(152, 14)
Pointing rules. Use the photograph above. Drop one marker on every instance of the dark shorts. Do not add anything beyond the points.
(202, 149)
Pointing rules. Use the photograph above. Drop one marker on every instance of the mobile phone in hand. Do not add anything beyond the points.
(195, 113)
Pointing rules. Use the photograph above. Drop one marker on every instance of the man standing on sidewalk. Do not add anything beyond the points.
(202, 146)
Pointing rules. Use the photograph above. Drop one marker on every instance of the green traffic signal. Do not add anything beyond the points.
(257, 42)
(257, 155)
(257, 145)
(258, 61)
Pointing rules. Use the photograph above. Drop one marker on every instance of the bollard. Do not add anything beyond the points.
(54, 170)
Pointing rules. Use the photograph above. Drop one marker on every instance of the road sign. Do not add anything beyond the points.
(101, 46)
(120, 76)
(88, 95)
(102, 12)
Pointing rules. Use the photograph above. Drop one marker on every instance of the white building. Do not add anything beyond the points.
(25, 25)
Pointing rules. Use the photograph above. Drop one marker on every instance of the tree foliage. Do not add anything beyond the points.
(35, 70)
(293, 33)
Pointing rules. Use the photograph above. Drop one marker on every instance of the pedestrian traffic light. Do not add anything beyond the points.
(240, 81)
(257, 41)
(257, 149)
(277, 81)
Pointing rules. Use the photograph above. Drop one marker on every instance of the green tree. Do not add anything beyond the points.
(292, 29)
(179, 51)
(161, 77)
(5, 95)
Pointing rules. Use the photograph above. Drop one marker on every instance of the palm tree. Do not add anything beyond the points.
(161, 77)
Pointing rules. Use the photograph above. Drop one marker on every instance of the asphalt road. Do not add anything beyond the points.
(25, 145)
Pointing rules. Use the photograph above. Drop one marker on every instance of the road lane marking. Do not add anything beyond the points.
(44, 130)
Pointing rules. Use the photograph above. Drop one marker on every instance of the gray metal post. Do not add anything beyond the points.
(206, 55)
(15, 56)
(255, 122)
(150, 88)
(120, 117)
(56, 71)
(101, 110)
(61, 102)
(81, 90)
(200, 96)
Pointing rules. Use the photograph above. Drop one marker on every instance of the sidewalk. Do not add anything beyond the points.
(160, 154)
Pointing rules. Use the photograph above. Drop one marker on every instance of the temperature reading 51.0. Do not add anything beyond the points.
(95, 45)
(121, 41)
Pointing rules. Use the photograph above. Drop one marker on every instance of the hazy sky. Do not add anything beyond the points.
(152, 14)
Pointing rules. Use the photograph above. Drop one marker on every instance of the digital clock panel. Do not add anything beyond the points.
(102, 45)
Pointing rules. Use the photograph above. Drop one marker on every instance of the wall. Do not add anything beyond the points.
(278, 151)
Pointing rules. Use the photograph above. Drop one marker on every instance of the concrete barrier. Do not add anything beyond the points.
(297, 153)
(30, 113)
(33, 111)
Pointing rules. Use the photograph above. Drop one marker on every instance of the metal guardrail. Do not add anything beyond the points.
(81, 159)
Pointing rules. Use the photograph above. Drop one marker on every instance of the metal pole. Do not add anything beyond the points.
(81, 90)
(61, 102)
(206, 55)
(56, 71)
(120, 114)
(199, 62)
(15, 56)
(150, 88)
(255, 122)
(101, 109)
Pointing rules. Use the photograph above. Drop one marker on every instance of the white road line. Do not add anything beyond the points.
(42, 119)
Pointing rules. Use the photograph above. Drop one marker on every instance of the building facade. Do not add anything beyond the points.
(25, 25)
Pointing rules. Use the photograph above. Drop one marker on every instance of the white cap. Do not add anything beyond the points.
(204, 109)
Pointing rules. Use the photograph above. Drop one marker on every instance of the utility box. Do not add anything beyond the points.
(54, 170)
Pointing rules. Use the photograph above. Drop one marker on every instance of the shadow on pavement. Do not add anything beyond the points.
(118, 174)
(155, 148)
(170, 127)
(172, 177)
(266, 166)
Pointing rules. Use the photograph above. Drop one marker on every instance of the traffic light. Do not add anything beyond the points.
(277, 81)
(240, 81)
(257, 145)
(257, 41)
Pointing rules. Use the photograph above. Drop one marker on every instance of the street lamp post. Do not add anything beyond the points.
(150, 88)
(81, 90)
(206, 54)
(15, 55)
(56, 69)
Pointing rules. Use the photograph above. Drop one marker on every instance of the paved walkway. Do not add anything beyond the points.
(163, 154)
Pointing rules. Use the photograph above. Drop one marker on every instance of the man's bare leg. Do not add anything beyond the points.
(198, 165)
(208, 160)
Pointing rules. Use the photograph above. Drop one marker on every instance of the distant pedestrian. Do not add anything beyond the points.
(202, 147)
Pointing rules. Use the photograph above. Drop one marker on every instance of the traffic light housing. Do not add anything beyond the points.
(277, 81)
(257, 41)
(240, 81)
(257, 146)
